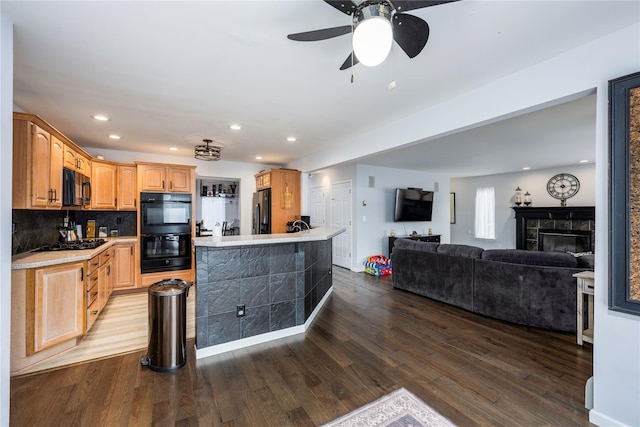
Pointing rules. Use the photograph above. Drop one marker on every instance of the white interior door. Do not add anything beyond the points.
(341, 217)
(317, 208)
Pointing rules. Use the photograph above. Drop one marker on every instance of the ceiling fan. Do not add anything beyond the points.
(372, 45)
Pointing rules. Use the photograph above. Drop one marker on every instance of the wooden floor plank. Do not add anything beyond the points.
(367, 341)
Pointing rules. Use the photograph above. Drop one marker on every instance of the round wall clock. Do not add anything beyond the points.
(563, 186)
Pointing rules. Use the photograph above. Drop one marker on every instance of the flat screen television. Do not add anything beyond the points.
(413, 204)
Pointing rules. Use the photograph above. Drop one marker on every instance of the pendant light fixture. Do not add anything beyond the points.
(206, 151)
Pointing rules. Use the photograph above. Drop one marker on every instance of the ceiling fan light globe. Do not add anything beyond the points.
(372, 39)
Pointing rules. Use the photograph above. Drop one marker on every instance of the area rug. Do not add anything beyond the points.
(397, 409)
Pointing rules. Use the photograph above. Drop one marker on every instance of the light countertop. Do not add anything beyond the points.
(315, 234)
(43, 259)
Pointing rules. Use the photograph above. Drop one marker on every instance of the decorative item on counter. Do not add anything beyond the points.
(518, 197)
(392, 233)
(430, 232)
(114, 233)
(414, 234)
(527, 199)
(217, 230)
(102, 232)
(91, 229)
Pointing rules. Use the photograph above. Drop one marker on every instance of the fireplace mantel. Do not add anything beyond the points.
(565, 218)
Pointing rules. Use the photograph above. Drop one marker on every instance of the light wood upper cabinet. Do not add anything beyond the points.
(127, 196)
(76, 161)
(180, 179)
(103, 185)
(39, 154)
(124, 266)
(165, 178)
(37, 167)
(55, 305)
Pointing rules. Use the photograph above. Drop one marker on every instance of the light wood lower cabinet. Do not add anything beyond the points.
(54, 305)
(124, 266)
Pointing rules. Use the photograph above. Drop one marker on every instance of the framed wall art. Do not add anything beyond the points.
(624, 194)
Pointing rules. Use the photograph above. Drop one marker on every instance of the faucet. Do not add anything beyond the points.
(298, 223)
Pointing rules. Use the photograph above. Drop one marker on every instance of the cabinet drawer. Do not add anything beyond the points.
(92, 315)
(106, 255)
(92, 296)
(92, 280)
(93, 265)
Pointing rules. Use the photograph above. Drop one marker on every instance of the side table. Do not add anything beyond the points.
(585, 287)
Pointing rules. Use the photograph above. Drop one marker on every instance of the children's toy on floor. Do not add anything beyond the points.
(378, 265)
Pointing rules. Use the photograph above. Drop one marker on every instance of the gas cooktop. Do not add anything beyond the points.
(74, 245)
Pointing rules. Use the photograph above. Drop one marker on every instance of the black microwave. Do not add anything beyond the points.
(76, 188)
(165, 213)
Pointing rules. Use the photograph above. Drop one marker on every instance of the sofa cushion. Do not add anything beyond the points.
(521, 256)
(586, 261)
(416, 245)
(460, 250)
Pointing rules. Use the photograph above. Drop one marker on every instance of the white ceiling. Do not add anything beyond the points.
(170, 74)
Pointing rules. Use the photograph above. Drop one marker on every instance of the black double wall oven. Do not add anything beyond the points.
(165, 232)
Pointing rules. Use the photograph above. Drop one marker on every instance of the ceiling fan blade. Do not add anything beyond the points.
(344, 6)
(411, 33)
(347, 62)
(406, 5)
(327, 33)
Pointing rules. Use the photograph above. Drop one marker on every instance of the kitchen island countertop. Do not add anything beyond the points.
(315, 234)
(42, 259)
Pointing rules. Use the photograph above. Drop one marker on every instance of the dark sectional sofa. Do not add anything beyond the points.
(524, 287)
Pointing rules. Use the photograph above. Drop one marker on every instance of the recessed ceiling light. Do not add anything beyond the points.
(291, 139)
(584, 161)
(235, 127)
(101, 118)
(258, 157)
(173, 148)
(113, 136)
(526, 168)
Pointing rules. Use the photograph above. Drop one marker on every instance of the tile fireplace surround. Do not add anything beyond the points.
(529, 222)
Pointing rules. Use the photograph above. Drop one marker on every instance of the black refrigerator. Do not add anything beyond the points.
(262, 212)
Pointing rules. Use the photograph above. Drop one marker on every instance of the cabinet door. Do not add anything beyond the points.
(180, 180)
(70, 158)
(124, 266)
(126, 199)
(152, 178)
(103, 180)
(55, 306)
(55, 172)
(40, 167)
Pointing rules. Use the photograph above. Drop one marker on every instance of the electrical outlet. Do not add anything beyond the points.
(240, 311)
(118, 220)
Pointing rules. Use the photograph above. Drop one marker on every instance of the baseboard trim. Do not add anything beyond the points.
(600, 419)
(262, 338)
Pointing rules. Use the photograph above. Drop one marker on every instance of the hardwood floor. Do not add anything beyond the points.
(367, 341)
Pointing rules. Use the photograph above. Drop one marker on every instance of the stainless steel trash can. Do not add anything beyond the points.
(167, 325)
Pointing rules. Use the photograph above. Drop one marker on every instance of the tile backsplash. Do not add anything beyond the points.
(36, 228)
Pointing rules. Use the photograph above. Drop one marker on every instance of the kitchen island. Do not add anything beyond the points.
(256, 288)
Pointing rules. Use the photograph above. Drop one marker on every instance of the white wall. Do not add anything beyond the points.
(372, 223)
(533, 181)
(244, 173)
(6, 148)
